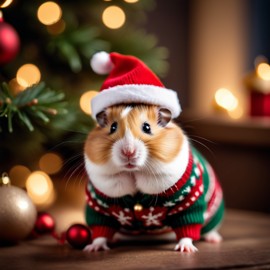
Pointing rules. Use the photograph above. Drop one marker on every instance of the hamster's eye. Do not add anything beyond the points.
(146, 128)
(113, 127)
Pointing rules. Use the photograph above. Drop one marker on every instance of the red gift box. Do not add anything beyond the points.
(259, 104)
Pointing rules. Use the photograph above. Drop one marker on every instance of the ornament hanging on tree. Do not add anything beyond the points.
(9, 42)
(17, 213)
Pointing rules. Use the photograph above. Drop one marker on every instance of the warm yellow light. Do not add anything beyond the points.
(113, 17)
(5, 179)
(85, 101)
(38, 183)
(6, 3)
(57, 28)
(50, 163)
(225, 99)
(131, 1)
(18, 175)
(28, 75)
(15, 87)
(40, 188)
(237, 113)
(263, 71)
(49, 13)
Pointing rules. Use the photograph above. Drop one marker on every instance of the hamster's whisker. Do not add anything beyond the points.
(202, 138)
(155, 173)
(204, 145)
(77, 168)
(83, 177)
(58, 145)
(71, 175)
(73, 162)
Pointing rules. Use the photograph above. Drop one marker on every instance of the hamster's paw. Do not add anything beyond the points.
(98, 244)
(213, 237)
(185, 245)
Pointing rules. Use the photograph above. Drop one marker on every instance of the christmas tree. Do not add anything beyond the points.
(46, 82)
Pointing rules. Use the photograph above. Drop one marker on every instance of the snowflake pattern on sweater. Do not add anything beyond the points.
(194, 205)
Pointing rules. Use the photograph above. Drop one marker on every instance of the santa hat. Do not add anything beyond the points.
(129, 81)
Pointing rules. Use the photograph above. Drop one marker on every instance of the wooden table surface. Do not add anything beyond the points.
(246, 245)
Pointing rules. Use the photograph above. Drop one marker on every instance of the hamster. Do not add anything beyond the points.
(145, 178)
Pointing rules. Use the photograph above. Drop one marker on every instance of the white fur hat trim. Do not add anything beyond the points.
(136, 93)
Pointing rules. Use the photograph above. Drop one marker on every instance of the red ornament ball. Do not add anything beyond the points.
(9, 42)
(44, 223)
(78, 236)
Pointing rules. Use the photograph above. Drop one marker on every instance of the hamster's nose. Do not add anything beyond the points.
(128, 153)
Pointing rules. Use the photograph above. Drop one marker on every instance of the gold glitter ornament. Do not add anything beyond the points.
(17, 213)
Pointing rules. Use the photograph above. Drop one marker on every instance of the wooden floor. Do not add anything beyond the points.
(246, 245)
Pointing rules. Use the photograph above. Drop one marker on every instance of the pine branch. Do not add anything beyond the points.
(74, 45)
(36, 102)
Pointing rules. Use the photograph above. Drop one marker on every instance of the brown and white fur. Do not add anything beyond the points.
(118, 162)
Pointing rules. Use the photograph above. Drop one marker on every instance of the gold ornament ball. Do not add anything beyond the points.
(138, 207)
(17, 214)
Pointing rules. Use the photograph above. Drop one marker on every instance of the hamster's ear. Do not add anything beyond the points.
(102, 119)
(164, 116)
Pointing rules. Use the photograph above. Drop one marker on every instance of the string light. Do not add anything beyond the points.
(40, 188)
(263, 71)
(49, 13)
(85, 101)
(18, 175)
(51, 163)
(225, 99)
(28, 75)
(113, 17)
(6, 3)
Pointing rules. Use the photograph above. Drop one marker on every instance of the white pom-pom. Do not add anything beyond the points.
(101, 63)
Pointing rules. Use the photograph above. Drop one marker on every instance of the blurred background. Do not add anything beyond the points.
(213, 53)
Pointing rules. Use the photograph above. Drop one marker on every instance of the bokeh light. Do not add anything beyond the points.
(4, 179)
(113, 17)
(263, 71)
(6, 3)
(131, 1)
(51, 163)
(85, 101)
(28, 75)
(57, 28)
(18, 175)
(225, 99)
(49, 13)
(40, 188)
(15, 87)
(236, 113)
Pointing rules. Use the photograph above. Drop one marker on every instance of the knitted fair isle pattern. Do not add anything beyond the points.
(192, 207)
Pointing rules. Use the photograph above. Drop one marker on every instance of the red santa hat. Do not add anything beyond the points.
(129, 81)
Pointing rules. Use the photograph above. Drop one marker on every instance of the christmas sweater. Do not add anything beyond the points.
(192, 207)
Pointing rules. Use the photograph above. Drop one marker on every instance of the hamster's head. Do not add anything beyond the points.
(132, 138)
